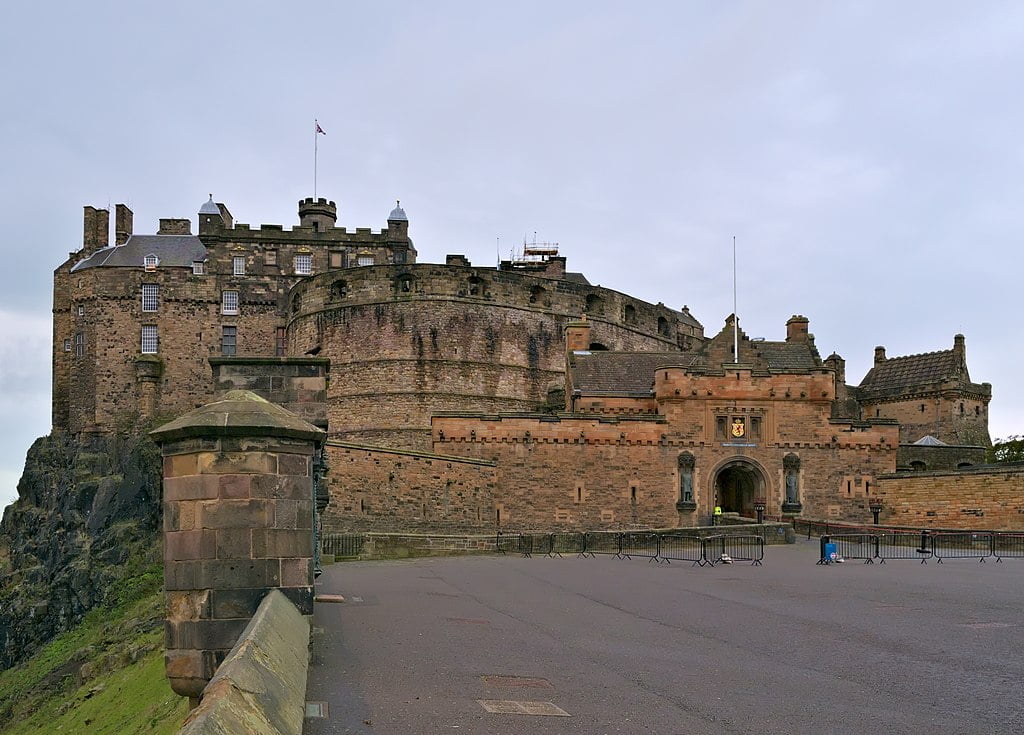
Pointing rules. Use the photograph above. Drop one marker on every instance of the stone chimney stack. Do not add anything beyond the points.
(95, 230)
(122, 224)
(175, 227)
(796, 328)
(960, 351)
(879, 355)
(577, 335)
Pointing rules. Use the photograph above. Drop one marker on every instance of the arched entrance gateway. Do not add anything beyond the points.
(737, 483)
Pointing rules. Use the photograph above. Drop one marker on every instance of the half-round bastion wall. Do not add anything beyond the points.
(408, 341)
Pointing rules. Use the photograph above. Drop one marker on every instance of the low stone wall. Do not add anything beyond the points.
(403, 545)
(980, 498)
(261, 686)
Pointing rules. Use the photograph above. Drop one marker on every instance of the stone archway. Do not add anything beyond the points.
(737, 482)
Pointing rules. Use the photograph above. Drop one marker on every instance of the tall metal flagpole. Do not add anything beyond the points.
(316, 132)
(735, 316)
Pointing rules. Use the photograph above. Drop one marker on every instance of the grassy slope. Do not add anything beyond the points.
(104, 676)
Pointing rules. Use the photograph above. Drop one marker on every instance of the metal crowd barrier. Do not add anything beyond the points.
(602, 543)
(639, 543)
(856, 546)
(517, 543)
(961, 545)
(342, 544)
(1007, 546)
(680, 547)
(727, 548)
(568, 543)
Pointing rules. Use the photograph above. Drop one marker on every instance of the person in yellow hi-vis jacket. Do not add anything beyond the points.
(718, 516)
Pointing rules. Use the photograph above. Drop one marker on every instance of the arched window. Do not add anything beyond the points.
(597, 347)
(964, 465)
(477, 287)
(594, 304)
(918, 466)
(629, 314)
(663, 327)
(536, 294)
(339, 289)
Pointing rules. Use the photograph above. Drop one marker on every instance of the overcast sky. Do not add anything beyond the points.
(867, 156)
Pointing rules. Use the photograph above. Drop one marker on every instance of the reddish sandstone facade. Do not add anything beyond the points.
(459, 397)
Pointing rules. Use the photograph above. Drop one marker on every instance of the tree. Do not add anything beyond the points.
(1010, 449)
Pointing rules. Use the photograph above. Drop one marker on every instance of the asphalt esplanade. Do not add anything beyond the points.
(627, 646)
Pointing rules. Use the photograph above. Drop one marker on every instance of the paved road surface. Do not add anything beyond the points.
(635, 647)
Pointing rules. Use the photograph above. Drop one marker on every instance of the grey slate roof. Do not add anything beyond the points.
(398, 214)
(622, 372)
(210, 207)
(898, 374)
(171, 251)
(930, 441)
(786, 356)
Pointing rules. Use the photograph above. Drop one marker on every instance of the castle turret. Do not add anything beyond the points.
(211, 217)
(960, 351)
(319, 214)
(837, 365)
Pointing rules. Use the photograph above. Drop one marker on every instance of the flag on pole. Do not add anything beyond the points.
(318, 128)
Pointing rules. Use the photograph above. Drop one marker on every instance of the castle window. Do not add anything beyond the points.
(364, 260)
(79, 344)
(720, 427)
(755, 427)
(536, 294)
(336, 257)
(476, 286)
(663, 327)
(229, 303)
(977, 411)
(303, 265)
(67, 345)
(270, 257)
(228, 340)
(81, 310)
(403, 284)
(922, 408)
(594, 305)
(238, 265)
(629, 314)
(150, 297)
(281, 341)
(961, 409)
(198, 268)
(399, 256)
(150, 262)
(150, 340)
(339, 289)
(918, 466)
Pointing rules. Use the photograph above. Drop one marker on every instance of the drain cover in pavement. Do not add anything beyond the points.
(526, 682)
(510, 707)
(316, 709)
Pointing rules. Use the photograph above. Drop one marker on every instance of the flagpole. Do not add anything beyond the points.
(735, 316)
(316, 127)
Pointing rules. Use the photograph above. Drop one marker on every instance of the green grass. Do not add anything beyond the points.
(104, 676)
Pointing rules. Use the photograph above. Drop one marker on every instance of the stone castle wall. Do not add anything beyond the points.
(409, 341)
(990, 497)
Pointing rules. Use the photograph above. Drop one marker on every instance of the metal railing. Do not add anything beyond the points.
(342, 545)
(922, 545)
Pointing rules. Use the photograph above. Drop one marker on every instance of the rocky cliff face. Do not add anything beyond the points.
(87, 514)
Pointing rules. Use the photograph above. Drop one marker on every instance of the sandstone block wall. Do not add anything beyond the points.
(238, 517)
(989, 497)
(297, 384)
(374, 489)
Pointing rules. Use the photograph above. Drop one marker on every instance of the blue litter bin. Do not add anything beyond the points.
(831, 554)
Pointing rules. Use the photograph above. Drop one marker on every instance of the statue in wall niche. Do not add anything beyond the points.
(686, 465)
(791, 494)
(791, 466)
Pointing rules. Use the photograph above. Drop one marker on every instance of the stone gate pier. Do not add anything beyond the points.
(238, 509)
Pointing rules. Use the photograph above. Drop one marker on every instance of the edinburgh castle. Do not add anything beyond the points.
(458, 397)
